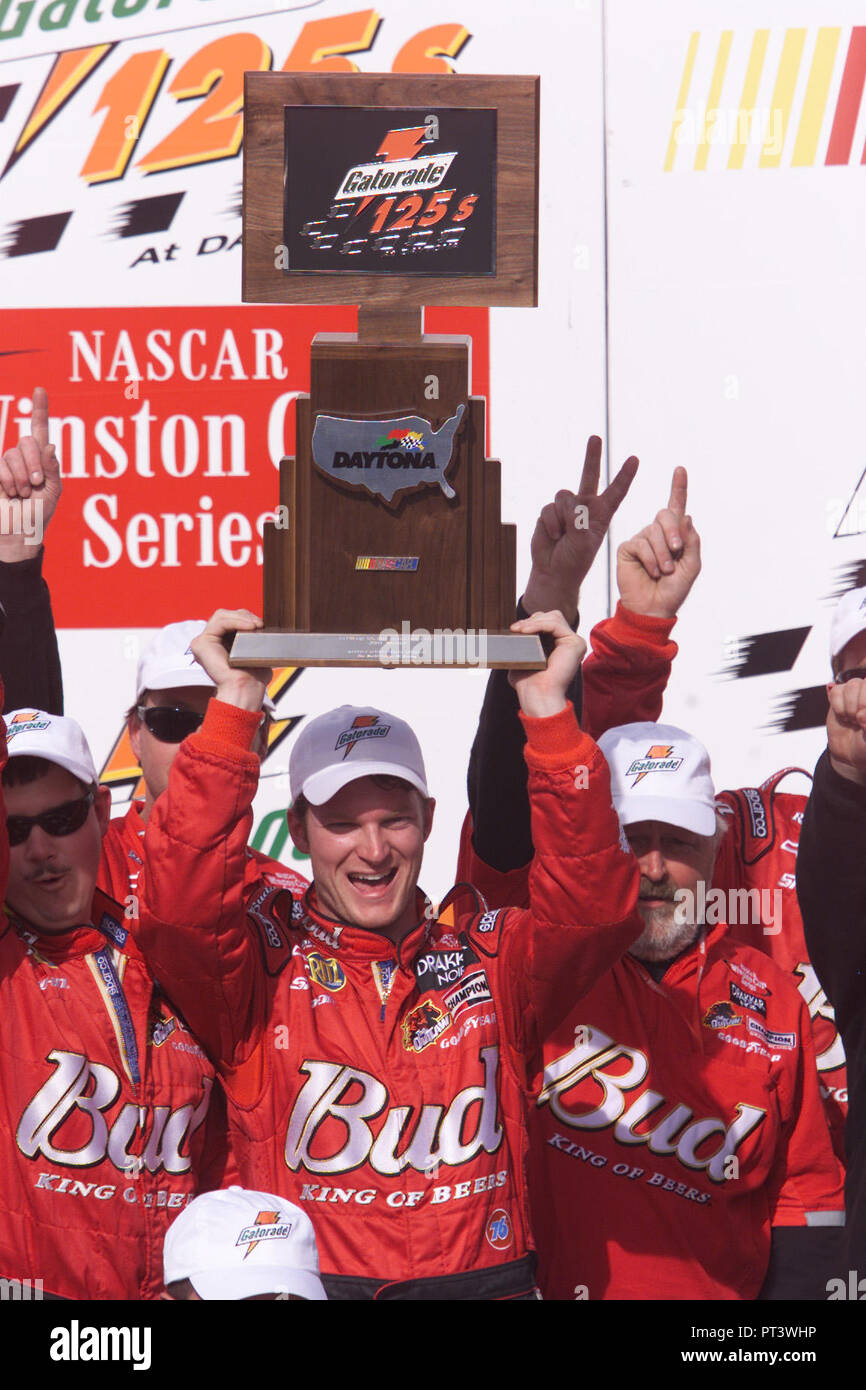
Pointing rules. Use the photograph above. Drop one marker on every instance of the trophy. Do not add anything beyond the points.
(389, 192)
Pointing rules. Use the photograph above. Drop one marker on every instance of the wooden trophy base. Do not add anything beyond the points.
(389, 549)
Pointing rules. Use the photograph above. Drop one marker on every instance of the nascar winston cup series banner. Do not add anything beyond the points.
(701, 303)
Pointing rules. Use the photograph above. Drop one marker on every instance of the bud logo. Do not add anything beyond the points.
(80, 1088)
(326, 971)
(406, 1136)
(267, 1226)
(595, 1064)
(363, 726)
(658, 759)
(498, 1230)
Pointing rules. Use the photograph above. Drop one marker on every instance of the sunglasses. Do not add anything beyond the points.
(857, 673)
(60, 820)
(169, 723)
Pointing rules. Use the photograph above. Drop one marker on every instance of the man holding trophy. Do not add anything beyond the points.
(373, 1054)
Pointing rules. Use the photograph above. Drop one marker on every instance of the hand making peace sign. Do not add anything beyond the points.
(568, 534)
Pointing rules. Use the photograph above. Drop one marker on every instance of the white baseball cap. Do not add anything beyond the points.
(352, 742)
(167, 662)
(34, 733)
(849, 619)
(659, 772)
(236, 1244)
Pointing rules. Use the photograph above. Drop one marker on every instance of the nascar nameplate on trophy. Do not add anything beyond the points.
(390, 192)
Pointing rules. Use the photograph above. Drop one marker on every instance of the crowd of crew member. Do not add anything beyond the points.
(603, 1067)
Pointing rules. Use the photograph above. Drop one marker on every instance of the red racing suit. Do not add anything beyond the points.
(645, 1093)
(103, 1099)
(123, 857)
(630, 661)
(383, 1086)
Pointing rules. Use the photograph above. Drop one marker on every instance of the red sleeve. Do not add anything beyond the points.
(194, 927)
(583, 884)
(625, 674)
(807, 1182)
(4, 839)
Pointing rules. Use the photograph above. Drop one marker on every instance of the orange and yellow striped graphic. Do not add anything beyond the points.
(813, 85)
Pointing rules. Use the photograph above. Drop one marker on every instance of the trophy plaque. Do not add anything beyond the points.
(390, 192)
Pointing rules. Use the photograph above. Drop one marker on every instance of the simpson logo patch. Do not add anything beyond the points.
(784, 1040)
(659, 758)
(423, 1025)
(474, 989)
(747, 1000)
(721, 1015)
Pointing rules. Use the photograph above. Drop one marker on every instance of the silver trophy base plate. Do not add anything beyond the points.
(418, 649)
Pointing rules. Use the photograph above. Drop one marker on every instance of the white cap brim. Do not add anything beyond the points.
(176, 680)
(697, 816)
(239, 1282)
(321, 786)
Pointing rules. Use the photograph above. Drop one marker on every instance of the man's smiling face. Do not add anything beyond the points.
(52, 877)
(366, 845)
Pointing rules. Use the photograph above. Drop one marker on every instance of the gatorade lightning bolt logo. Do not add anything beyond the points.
(266, 1219)
(658, 758)
(363, 726)
(395, 204)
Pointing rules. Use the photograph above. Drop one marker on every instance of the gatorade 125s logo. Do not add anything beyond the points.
(400, 191)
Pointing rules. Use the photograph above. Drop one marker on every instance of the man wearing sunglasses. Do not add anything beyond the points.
(105, 1131)
(171, 696)
(171, 691)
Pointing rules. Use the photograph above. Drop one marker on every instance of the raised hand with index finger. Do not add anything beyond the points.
(656, 568)
(569, 532)
(30, 486)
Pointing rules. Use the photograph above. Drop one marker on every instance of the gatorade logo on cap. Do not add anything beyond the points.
(658, 758)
